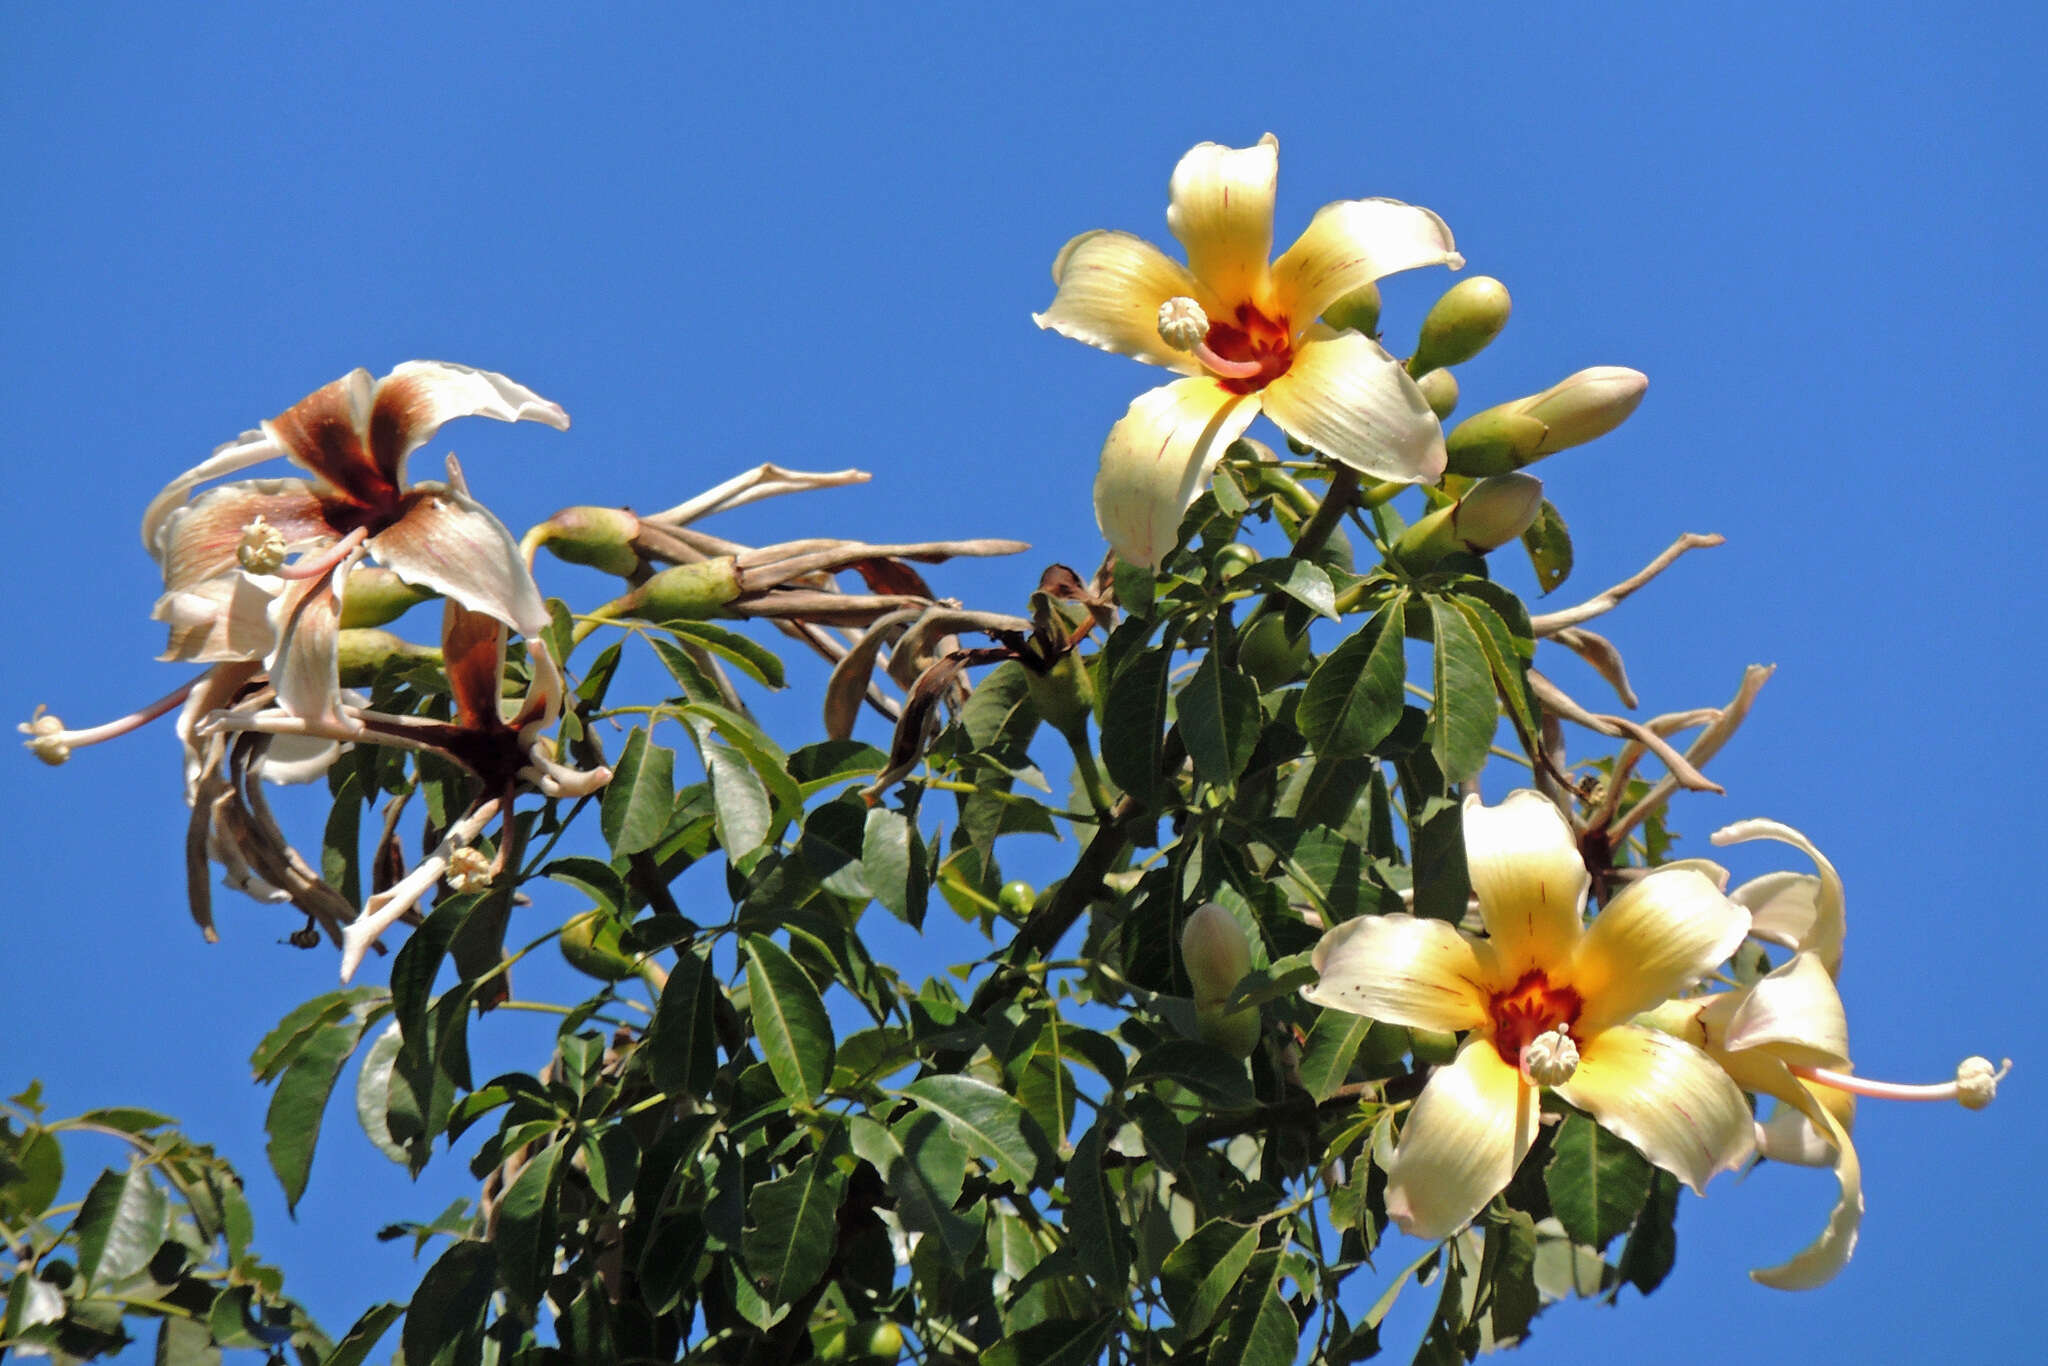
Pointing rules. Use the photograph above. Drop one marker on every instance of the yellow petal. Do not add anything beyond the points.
(1405, 971)
(1529, 878)
(1782, 915)
(1470, 1129)
(1345, 396)
(1158, 459)
(1795, 1013)
(1110, 287)
(1350, 244)
(1658, 936)
(1666, 1097)
(1221, 209)
(1823, 1259)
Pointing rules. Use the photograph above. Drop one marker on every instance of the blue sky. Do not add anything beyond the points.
(815, 235)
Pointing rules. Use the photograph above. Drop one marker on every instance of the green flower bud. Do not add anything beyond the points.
(1236, 1032)
(362, 654)
(686, 592)
(1064, 696)
(1359, 310)
(1017, 897)
(1270, 655)
(1569, 413)
(599, 537)
(1493, 512)
(1440, 387)
(590, 942)
(1470, 314)
(1234, 559)
(377, 597)
(1430, 1046)
(1215, 952)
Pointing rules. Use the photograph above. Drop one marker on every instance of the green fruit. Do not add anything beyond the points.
(1271, 656)
(1432, 1045)
(1018, 897)
(590, 942)
(1234, 559)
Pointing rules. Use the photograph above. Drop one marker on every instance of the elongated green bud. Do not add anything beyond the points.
(687, 592)
(1440, 387)
(1569, 413)
(599, 537)
(377, 597)
(1217, 955)
(362, 654)
(1359, 310)
(1459, 325)
(1493, 512)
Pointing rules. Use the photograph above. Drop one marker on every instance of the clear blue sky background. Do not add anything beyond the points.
(718, 238)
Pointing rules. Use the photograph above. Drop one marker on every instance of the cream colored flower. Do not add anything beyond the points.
(1244, 332)
(1546, 1000)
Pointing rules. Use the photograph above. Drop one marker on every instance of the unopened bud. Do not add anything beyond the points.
(1492, 512)
(469, 870)
(261, 549)
(1570, 413)
(45, 738)
(1215, 952)
(1977, 1082)
(1236, 1032)
(601, 538)
(1064, 695)
(1550, 1058)
(1470, 314)
(1182, 323)
(360, 655)
(376, 597)
(686, 592)
(1440, 388)
(1359, 310)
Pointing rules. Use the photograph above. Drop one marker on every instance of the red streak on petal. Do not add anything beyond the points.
(1530, 1007)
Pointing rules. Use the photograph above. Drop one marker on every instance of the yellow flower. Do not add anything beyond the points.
(1548, 1001)
(1244, 332)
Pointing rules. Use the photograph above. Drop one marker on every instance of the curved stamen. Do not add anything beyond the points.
(1185, 327)
(1975, 1084)
(313, 566)
(52, 743)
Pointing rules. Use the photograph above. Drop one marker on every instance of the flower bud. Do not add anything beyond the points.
(1470, 314)
(601, 538)
(376, 597)
(361, 655)
(1064, 695)
(1440, 388)
(1359, 310)
(1236, 1032)
(687, 592)
(1215, 952)
(1569, 413)
(1493, 512)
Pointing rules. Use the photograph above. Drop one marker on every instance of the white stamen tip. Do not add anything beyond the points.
(46, 738)
(261, 549)
(1182, 323)
(469, 870)
(1977, 1081)
(1550, 1058)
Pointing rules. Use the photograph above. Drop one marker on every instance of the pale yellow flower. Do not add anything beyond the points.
(1547, 1001)
(1245, 332)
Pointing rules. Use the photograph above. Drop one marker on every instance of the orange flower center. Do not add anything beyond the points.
(1530, 1007)
(1253, 337)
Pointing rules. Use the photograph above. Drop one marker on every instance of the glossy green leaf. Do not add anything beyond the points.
(1465, 713)
(364, 1334)
(1353, 699)
(524, 1243)
(300, 1101)
(31, 1172)
(789, 1020)
(1597, 1182)
(1218, 711)
(1134, 722)
(1510, 1270)
(1303, 580)
(683, 1045)
(924, 1169)
(1261, 1330)
(640, 796)
(1502, 660)
(1055, 1342)
(593, 877)
(1199, 1275)
(124, 1218)
(301, 1023)
(892, 857)
(1096, 1234)
(1652, 1247)
(990, 1122)
(792, 1221)
(751, 657)
(373, 1094)
(1332, 1046)
(448, 1306)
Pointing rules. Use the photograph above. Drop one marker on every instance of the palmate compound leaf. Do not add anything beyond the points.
(789, 1020)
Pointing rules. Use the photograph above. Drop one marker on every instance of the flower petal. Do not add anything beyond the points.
(226, 617)
(250, 448)
(1110, 287)
(1666, 1097)
(473, 655)
(414, 400)
(1470, 1129)
(198, 541)
(1158, 459)
(1823, 1259)
(1345, 396)
(327, 433)
(1421, 973)
(1659, 935)
(303, 667)
(449, 542)
(1781, 916)
(1350, 244)
(1529, 878)
(1795, 1013)
(1221, 209)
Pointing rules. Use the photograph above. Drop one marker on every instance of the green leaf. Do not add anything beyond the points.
(990, 1122)
(640, 796)
(364, 1334)
(1332, 1046)
(833, 836)
(892, 859)
(683, 1045)
(1056, 1342)
(123, 1220)
(1465, 713)
(290, 1034)
(185, 1342)
(1218, 710)
(925, 1170)
(129, 1119)
(1353, 699)
(1207, 1071)
(692, 677)
(1096, 1234)
(1597, 1182)
(1511, 1261)
(1652, 1247)
(792, 1223)
(751, 657)
(741, 811)
(1199, 1275)
(299, 1102)
(1549, 544)
(373, 1094)
(1503, 660)
(30, 1176)
(1261, 1330)
(526, 1234)
(789, 1019)
(1302, 580)
(341, 842)
(593, 877)
(448, 1307)
(1134, 722)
